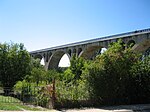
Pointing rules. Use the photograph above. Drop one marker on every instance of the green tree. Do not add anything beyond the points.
(76, 67)
(37, 75)
(140, 82)
(38, 72)
(51, 75)
(109, 74)
(14, 64)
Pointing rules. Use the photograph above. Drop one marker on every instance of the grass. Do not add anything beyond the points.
(10, 103)
(9, 99)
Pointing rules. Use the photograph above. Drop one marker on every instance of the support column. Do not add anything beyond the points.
(47, 57)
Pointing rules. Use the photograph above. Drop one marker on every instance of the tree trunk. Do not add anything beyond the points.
(53, 94)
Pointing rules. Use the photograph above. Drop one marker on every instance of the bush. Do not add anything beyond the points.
(140, 82)
(118, 76)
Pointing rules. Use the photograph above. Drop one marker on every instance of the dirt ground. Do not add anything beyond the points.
(121, 108)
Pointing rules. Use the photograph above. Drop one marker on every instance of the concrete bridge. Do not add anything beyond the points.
(89, 48)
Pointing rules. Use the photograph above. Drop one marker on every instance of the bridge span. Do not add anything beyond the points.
(88, 49)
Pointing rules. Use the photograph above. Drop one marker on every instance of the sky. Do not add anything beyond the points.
(42, 24)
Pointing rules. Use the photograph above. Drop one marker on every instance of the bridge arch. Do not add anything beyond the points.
(55, 59)
(142, 46)
(88, 48)
(131, 43)
(45, 58)
(80, 52)
(147, 52)
(69, 52)
(90, 52)
(39, 56)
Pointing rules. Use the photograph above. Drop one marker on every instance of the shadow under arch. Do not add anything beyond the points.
(90, 52)
(37, 56)
(142, 46)
(55, 59)
(147, 52)
(131, 43)
(80, 52)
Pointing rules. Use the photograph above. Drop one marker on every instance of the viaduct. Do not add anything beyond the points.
(88, 49)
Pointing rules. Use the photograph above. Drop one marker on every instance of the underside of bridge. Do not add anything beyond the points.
(142, 46)
(91, 52)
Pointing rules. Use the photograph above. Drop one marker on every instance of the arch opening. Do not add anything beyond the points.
(64, 61)
(74, 51)
(69, 52)
(131, 43)
(103, 50)
(58, 59)
(40, 58)
(42, 62)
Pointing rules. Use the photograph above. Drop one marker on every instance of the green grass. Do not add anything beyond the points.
(9, 99)
(8, 106)
(7, 103)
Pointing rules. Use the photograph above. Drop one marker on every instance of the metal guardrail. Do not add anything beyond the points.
(137, 32)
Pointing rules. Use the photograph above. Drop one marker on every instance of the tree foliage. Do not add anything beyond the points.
(140, 81)
(14, 63)
(112, 74)
(76, 67)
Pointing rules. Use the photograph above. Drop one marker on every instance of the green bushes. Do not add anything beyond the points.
(72, 89)
(140, 81)
(118, 76)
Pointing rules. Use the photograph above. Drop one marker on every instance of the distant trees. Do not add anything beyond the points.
(14, 64)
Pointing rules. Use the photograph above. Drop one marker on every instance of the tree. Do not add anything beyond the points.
(76, 67)
(14, 64)
(37, 75)
(51, 75)
(140, 81)
(38, 72)
(110, 72)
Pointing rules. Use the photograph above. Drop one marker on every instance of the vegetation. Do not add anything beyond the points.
(17, 106)
(109, 74)
(118, 76)
(140, 82)
(14, 64)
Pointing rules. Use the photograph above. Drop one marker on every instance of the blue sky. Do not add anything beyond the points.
(45, 23)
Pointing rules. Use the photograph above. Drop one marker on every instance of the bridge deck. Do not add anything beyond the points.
(137, 32)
